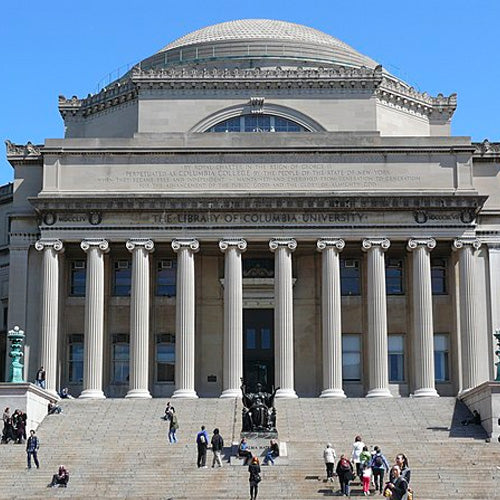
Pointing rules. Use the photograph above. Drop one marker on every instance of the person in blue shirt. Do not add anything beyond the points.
(202, 444)
(379, 466)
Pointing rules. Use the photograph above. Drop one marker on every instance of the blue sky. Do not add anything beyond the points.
(57, 47)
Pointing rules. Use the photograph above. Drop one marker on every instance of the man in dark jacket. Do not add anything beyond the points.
(32, 446)
(217, 446)
(202, 444)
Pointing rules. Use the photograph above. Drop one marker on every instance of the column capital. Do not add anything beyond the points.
(413, 243)
(100, 244)
(460, 243)
(276, 243)
(187, 244)
(54, 243)
(237, 244)
(136, 243)
(370, 243)
(324, 243)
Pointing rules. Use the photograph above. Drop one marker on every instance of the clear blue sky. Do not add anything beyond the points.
(58, 47)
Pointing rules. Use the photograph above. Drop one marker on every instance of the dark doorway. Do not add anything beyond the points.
(258, 348)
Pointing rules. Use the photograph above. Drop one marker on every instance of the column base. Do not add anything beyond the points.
(92, 394)
(138, 394)
(230, 393)
(185, 394)
(425, 393)
(286, 394)
(332, 393)
(381, 392)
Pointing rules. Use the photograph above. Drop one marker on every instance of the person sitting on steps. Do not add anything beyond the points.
(60, 479)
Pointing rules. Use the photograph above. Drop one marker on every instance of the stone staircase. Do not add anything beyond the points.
(118, 448)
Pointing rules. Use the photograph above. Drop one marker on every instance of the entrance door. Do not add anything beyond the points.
(258, 348)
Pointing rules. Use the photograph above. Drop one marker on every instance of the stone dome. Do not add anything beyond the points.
(235, 42)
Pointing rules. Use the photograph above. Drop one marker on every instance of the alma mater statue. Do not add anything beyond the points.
(259, 413)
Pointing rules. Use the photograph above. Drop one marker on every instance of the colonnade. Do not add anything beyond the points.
(283, 249)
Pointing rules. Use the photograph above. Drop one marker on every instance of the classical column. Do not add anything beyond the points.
(233, 317)
(283, 315)
(50, 308)
(139, 318)
(94, 318)
(468, 311)
(331, 317)
(184, 318)
(423, 332)
(378, 370)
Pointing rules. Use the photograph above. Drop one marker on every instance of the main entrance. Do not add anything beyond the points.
(258, 348)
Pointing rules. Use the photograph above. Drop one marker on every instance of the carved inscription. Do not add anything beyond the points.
(251, 177)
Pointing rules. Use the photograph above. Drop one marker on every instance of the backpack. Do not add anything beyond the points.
(378, 462)
(345, 465)
(202, 439)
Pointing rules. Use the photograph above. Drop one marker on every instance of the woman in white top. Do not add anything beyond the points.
(330, 457)
(357, 448)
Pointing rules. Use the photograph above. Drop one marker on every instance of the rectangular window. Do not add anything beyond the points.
(120, 358)
(438, 276)
(122, 278)
(165, 358)
(265, 338)
(165, 277)
(251, 338)
(78, 273)
(350, 277)
(75, 358)
(394, 276)
(441, 357)
(351, 357)
(396, 358)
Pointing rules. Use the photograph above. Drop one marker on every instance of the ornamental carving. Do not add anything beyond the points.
(370, 243)
(288, 243)
(136, 243)
(28, 149)
(188, 244)
(44, 243)
(428, 243)
(100, 244)
(336, 244)
(238, 244)
(95, 218)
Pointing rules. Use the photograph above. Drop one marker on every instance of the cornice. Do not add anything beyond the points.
(466, 203)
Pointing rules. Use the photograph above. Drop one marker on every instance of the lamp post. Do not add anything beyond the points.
(16, 337)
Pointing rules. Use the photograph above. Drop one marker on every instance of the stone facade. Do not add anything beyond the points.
(351, 252)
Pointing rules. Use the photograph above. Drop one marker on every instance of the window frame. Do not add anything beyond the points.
(73, 270)
(120, 339)
(159, 269)
(357, 280)
(443, 279)
(359, 353)
(116, 269)
(400, 280)
(238, 124)
(164, 339)
(446, 355)
(75, 339)
(398, 355)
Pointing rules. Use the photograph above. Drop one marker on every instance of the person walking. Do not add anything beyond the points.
(40, 378)
(217, 446)
(402, 463)
(398, 484)
(379, 466)
(329, 456)
(346, 475)
(32, 446)
(202, 444)
(173, 426)
(255, 478)
(357, 449)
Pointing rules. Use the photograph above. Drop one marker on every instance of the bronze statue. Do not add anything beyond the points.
(259, 413)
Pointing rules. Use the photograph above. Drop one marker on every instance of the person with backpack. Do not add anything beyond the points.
(345, 473)
(202, 444)
(217, 447)
(379, 466)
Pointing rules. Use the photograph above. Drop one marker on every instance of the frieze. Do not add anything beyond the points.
(486, 149)
(25, 150)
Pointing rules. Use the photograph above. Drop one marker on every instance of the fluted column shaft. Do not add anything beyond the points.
(139, 318)
(50, 308)
(331, 318)
(283, 316)
(423, 330)
(468, 311)
(94, 318)
(233, 317)
(184, 318)
(377, 318)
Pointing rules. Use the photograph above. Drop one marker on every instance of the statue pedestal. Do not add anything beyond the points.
(27, 397)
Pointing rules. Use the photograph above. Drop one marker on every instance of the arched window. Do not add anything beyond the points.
(257, 123)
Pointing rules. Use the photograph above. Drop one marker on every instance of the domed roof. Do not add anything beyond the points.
(258, 39)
